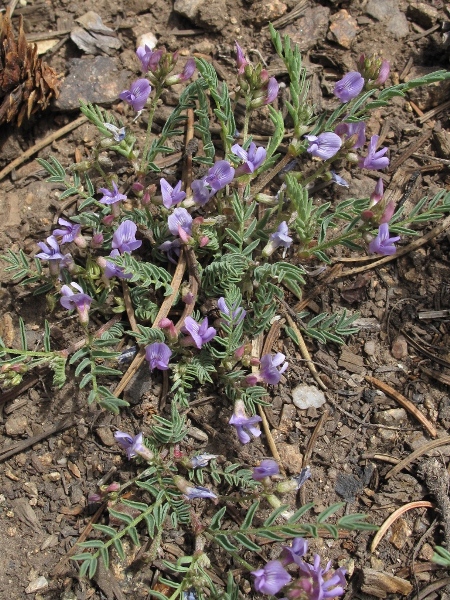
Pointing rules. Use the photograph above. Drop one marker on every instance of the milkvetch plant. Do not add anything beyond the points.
(156, 252)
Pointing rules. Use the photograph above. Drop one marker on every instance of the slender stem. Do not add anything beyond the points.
(267, 177)
(151, 115)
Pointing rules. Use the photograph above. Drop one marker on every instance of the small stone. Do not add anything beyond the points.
(213, 15)
(381, 10)
(400, 533)
(370, 348)
(441, 141)
(291, 458)
(30, 489)
(264, 11)
(106, 436)
(310, 28)
(422, 14)
(426, 553)
(393, 416)
(188, 8)
(53, 476)
(35, 586)
(307, 396)
(16, 425)
(343, 28)
(93, 79)
(197, 434)
(427, 96)
(287, 419)
(147, 39)
(399, 348)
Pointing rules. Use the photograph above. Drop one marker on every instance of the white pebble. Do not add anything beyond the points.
(307, 396)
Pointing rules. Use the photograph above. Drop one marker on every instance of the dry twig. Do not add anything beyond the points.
(385, 526)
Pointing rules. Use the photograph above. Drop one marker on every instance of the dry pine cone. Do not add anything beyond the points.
(27, 84)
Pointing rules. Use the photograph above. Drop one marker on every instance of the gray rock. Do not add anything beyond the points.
(16, 425)
(310, 28)
(422, 14)
(392, 417)
(98, 80)
(343, 28)
(188, 8)
(388, 11)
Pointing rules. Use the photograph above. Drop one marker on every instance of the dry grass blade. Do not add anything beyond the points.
(422, 450)
(385, 526)
(407, 405)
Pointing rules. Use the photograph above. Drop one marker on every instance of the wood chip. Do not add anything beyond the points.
(380, 584)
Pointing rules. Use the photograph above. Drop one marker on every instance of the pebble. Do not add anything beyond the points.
(423, 14)
(106, 436)
(307, 396)
(310, 28)
(401, 531)
(399, 348)
(370, 348)
(392, 417)
(343, 28)
(388, 11)
(265, 11)
(37, 584)
(188, 8)
(291, 458)
(93, 79)
(147, 39)
(16, 425)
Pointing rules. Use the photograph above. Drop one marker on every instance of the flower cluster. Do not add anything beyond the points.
(313, 581)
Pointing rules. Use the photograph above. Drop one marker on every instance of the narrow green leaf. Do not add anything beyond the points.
(93, 567)
(245, 541)
(119, 547)
(223, 541)
(105, 557)
(275, 514)
(249, 516)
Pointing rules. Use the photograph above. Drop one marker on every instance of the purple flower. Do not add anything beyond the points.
(377, 194)
(323, 146)
(241, 61)
(294, 553)
(219, 175)
(375, 159)
(356, 131)
(137, 95)
(133, 445)
(199, 333)
(383, 244)
(50, 251)
(149, 58)
(253, 157)
(117, 133)
(190, 491)
(237, 313)
(272, 91)
(170, 195)
(201, 460)
(271, 578)
(188, 71)
(158, 355)
(173, 249)
(383, 74)
(245, 426)
(111, 197)
(339, 180)
(313, 585)
(180, 219)
(124, 238)
(69, 232)
(111, 269)
(202, 192)
(76, 300)
(349, 86)
(278, 238)
(267, 468)
(269, 372)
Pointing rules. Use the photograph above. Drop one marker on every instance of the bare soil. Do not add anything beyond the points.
(361, 431)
